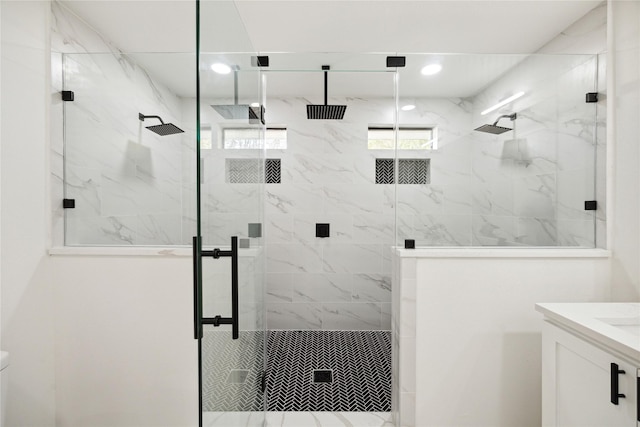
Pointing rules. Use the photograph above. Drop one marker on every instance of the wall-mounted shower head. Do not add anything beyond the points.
(494, 128)
(162, 129)
(326, 112)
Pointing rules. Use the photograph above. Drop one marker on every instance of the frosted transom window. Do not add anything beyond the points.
(249, 138)
(409, 138)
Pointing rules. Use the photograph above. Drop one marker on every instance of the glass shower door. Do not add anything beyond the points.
(228, 254)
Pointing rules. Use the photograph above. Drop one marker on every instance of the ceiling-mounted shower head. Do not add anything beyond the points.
(162, 129)
(494, 128)
(235, 111)
(326, 112)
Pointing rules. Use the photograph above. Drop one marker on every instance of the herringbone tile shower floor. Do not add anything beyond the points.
(359, 360)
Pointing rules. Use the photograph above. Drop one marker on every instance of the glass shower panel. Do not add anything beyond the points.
(230, 200)
(329, 233)
(123, 170)
(512, 158)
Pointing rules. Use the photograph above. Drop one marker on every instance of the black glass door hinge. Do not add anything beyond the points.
(590, 205)
(591, 97)
(69, 203)
(67, 95)
(396, 61)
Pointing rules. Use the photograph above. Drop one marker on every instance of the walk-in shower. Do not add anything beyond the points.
(317, 206)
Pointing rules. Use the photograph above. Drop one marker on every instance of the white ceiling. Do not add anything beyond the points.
(341, 27)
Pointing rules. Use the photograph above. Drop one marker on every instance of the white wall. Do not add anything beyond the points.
(624, 93)
(27, 289)
(478, 351)
(125, 353)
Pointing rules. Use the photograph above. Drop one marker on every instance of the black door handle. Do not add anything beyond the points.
(197, 289)
(233, 320)
(615, 394)
(638, 398)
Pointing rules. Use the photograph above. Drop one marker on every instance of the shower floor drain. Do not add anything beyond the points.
(322, 376)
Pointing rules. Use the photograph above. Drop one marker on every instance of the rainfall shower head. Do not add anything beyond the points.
(494, 128)
(326, 112)
(162, 129)
(235, 111)
(239, 112)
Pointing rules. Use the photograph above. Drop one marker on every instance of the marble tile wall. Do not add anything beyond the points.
(328, 176)
(125, 179)
(132, 187)
(530, 184)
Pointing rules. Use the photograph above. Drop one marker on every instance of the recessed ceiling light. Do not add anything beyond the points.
(431, 69)
(408, 107)
(221, 68)
(503, 102)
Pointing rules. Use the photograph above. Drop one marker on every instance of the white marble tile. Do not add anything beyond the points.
(457, 199)
(309, 169)
(297, 316)
(292, 198)
(493, 230)
(443, 230)
(573, 189)
(279, 228)
(408, 269)
(419, 199)
(233, 419)
(576, 151)
(537, 232)
(294, 258)
(84, 185)
(161, 229)
(407, 309)
(324, 287)
(495, 196)
(408, 410)
(371, 287)
(351, 316)
(373, 228)
(348, 258)
(535, 196)
(328, 419)
(407, 380)
(577, 232)
(385, 316)
(108, 230)
(452, 169)
(356, 199)
(279, 287)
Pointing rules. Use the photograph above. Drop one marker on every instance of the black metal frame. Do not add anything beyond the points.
(218, 320)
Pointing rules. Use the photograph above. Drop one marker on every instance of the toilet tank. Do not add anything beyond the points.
(4, 383)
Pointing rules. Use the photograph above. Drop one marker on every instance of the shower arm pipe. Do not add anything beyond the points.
(142, 117)
(326, 85)
(506, 116)
(235, 85)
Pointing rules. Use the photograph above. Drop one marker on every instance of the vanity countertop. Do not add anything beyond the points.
(614, 325)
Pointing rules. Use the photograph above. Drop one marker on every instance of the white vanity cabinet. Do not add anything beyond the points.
(589, 377)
